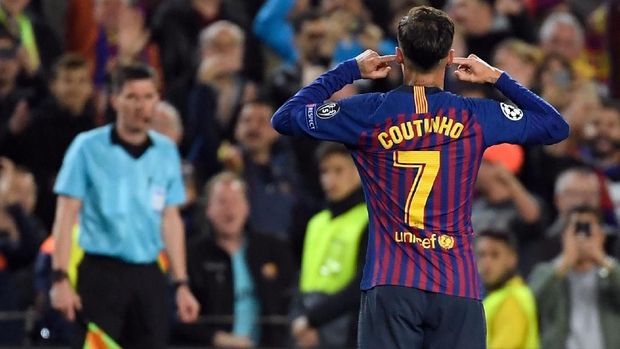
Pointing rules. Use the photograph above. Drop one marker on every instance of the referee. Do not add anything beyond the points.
(123, 184)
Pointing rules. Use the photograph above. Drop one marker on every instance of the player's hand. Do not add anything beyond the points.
(187, 305)
(373, 66)
(473, 69)
(64, 299)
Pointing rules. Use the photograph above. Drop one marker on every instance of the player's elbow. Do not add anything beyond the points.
(559, 130)
(279, 122)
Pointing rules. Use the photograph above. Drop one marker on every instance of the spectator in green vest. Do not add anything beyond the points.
(333, 256)
(41, 45)
(509, 305)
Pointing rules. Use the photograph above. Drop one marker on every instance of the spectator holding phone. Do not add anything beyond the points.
(577, 292)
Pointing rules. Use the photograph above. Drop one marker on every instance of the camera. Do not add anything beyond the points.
(584, 227)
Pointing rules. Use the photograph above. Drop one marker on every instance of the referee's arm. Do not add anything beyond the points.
(63, 298)
(174, 238)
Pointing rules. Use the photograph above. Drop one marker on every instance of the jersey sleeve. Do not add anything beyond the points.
(72, 178)
(341, 121)
(531, 121)
(307, 113)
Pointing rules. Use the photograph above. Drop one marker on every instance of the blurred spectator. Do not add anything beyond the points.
(352, 32)
(311, 40)
(558, 85)
(575, 187)
(265, 162)
(509, 305)
(80, 26)
(167, 121)
(576, 293)
(505, 204)
(176, 28)
(20, 233)
(67, 112)
(554, 160)
(333, 257)
(14, 110)
(314, 48)
(602, 148)
(272, 26)
(562, 34)
(41, 45)
(217, 96)
(486, 23)
(597, 52)
(519, 59)
(236, 273)
(122, 38)
(568, 92)
(220, 89)
(556, 79)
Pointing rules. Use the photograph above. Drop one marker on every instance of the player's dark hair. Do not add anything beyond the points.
(136, 71)
(503, 236)
(425, 36)
(306, 16)
(69, 61)
(326, 149)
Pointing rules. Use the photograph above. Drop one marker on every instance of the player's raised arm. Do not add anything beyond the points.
(534, 121)
(304, 114)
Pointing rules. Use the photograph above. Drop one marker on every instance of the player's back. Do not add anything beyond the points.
(418, 150)
(418, 158)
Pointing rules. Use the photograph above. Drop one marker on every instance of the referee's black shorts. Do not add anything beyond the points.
(127, 301)
(398, 317)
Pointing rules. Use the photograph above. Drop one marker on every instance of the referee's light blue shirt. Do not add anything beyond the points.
(122, 197)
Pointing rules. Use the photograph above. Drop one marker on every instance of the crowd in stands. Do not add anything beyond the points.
(275, 226)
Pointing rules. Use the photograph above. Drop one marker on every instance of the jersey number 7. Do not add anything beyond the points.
(427, 165)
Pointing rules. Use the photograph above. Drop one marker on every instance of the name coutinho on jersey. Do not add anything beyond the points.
(417, 128)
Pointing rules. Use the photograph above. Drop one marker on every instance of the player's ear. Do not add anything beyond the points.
(450, 57)
(400, 58)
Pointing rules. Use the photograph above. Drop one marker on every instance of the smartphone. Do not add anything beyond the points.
(582, 228)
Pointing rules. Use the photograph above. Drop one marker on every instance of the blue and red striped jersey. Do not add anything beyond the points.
(418, 150)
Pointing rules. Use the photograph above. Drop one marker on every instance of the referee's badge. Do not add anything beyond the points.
(327, 110)
(511, 112)
(158, 198)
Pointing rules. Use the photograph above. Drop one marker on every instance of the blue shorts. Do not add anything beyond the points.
(398, 317)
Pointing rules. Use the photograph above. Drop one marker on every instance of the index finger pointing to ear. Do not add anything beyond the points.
(387, 58)
(461, 60)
